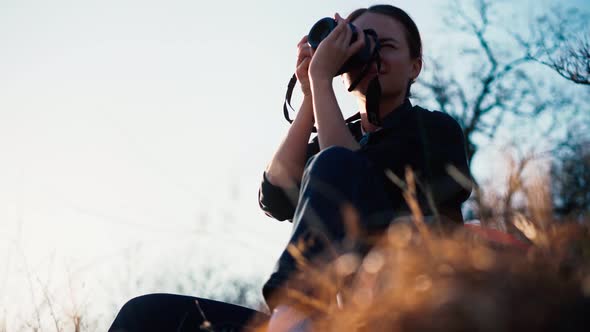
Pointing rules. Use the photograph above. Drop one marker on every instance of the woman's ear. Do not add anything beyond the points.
(416, 68)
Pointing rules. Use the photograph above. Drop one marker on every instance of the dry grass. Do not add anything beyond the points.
(456, 282)
(417, 279)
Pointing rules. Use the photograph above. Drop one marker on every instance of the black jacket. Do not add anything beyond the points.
(427, 141)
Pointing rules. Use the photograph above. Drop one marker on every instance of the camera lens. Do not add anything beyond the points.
(320, 30)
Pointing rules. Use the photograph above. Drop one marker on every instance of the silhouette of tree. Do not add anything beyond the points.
(571, 175)
(494, 81)
(560, 40)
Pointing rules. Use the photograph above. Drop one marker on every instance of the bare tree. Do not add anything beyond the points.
(560, 41)
(493, 85)
(570, 172)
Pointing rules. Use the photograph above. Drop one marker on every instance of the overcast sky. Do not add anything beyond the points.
(127, 124)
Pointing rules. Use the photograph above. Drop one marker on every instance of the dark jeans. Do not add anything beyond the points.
(333, 178)
(169, 312)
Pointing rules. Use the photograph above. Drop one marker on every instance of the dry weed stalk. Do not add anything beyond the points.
(416, 279)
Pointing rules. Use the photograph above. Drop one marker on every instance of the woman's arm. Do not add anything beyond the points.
(329, 57)
(332, 129)
(286, 166)
(279, 189)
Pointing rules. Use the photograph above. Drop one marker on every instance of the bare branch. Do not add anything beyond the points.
(500, 86)
(564, 45)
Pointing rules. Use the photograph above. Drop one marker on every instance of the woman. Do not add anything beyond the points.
(310, 183)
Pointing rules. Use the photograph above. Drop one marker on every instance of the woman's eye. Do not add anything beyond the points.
(388, 46)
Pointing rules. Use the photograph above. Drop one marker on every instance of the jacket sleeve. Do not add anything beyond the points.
(279, 203)
(448, 151)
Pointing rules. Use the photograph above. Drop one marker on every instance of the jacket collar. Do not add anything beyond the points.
(390, 120)
(397, 114)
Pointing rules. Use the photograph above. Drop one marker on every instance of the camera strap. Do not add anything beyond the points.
(373, 91)
(287, 104)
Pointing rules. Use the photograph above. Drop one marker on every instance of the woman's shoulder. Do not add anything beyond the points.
(437, 118)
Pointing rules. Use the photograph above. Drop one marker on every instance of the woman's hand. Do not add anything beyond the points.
(334, 51)
(304, 54)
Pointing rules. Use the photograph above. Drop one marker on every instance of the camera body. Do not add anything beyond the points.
(322, 28)
(363, 59)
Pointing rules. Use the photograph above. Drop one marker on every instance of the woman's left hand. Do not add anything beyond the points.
(334, 51)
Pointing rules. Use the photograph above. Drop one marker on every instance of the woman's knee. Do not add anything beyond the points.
(142, 301)
(127, 318)
(148, 308)
(132, 304)
(335, 160)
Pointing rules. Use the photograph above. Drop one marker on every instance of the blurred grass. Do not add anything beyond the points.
(419, 278)
(536, 277)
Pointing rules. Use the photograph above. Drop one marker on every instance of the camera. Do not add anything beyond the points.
(363, 59)
(322, 28)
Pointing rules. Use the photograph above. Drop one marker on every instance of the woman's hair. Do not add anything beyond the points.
(412, 34)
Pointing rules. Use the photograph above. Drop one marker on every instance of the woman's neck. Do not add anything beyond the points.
(386, 106)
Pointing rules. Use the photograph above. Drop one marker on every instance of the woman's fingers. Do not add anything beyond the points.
(344, 32)
(358, 44)
(303, 52)
(336, 34)
(333, 51)
(304, 62)
(302, 41)
(302, 70)
(347, 35)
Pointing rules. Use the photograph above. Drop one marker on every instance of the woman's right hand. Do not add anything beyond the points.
(304, 54)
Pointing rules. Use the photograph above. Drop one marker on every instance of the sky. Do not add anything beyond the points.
(133, 136)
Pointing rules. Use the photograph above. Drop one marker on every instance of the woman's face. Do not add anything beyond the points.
(397, 67)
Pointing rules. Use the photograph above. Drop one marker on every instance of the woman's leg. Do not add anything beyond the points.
(335, 177)
(170, 312)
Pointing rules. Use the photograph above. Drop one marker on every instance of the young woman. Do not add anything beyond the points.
(344, 165)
